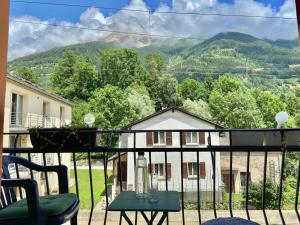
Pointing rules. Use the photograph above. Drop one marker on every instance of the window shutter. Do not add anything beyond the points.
(183, 138)
(202, 170)
(202, 138)
(185, 170)
(169, 171)
(149, 138)
(169, 138)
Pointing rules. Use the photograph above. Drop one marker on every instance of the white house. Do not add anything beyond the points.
(172, 118)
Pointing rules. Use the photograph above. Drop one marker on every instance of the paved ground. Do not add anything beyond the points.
(191, 217)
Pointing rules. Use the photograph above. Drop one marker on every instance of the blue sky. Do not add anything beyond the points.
(73, 13)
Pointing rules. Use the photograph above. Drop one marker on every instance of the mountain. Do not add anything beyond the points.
(232, 52)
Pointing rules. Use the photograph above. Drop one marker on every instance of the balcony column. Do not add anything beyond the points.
(298, 18)
(4, 23)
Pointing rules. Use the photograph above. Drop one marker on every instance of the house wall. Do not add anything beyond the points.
(33, 104)
(174, 120)
(256, 167)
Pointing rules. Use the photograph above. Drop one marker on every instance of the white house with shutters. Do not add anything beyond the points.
(169, 173)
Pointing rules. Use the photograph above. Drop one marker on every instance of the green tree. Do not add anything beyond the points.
(75, 77)
(208, 85)
(27, 73)
(167, 92)
(111, 108)
(198, 107)
(269, 105)
(154, 63)
(292, 103)
(191, 89)
(120, 67)
(236, 109)
(226, 84)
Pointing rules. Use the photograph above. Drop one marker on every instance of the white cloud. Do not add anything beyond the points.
(28, 38)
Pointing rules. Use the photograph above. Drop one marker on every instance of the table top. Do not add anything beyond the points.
(168, 201)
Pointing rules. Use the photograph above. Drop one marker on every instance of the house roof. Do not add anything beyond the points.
(173, 108)
(37, 88)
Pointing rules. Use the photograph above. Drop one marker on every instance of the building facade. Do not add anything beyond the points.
(171, 119)
(27, 106)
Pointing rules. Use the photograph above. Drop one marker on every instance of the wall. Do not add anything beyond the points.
(174, 120)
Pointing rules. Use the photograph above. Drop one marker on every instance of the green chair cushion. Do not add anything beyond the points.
(51, 205)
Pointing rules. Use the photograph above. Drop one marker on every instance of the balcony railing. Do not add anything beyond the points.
(30, 120)
(234, 159)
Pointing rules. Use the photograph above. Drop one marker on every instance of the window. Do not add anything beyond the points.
(191, 138)
(16, 109)
(159, 169)
(193, 170)
(244, 178)
(159, 138)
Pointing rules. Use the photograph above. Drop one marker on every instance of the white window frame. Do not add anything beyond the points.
(157, 170)
(159, 143)
(190, 134)
(193, 175)
(19, 109)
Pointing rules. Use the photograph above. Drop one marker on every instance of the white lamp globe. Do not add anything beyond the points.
(281, 118)
(89, 119)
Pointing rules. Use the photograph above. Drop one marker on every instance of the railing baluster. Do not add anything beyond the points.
(105, 162)
(282, 177)
(213, 158)
(182, 191)
(29, 159)
(297, 191)
(166, 180)
(134, 162)
(230, 177)
(198, 188)
(17, 167)
(46, 174)
(247, 184)
(91, 187)
(75, 174)
(264, 188)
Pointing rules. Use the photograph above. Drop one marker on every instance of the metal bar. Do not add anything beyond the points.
(4, 26)
(29, 159)
(282, 177)
(297, 191)
(123, 214)
(91, 188)
(75, 174)
(145, 217)
(134, 162)
(213, 158)
(17, 167)
(264, 188)
(120, 171)
(230, 177)
(247, 185)
(166, 180)
(198, 189)
(59, 158)
(182, 191)
(160, 222)
(105, 160)
(46, 174)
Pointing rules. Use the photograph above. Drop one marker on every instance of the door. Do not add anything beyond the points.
(16, 109)
(226, 181)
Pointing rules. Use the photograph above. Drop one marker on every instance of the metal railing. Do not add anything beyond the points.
(31, 120)
(224, 150)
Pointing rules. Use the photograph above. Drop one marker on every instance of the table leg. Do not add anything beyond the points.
(126, 218)
(162, 219)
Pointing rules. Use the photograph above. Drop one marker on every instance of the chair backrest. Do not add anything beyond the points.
(8, 195)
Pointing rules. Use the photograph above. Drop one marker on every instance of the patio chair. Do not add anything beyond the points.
(34, 210)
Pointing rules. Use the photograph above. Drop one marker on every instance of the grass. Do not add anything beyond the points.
(84, 186)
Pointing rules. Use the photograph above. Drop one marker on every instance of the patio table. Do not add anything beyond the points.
(126, 201)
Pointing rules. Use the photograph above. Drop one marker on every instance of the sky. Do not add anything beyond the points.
(30, 31)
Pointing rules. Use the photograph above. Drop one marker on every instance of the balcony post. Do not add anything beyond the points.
(298, 18)
(4, 23)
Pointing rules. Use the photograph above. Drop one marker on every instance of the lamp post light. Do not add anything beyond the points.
(281, 118)
(89, 119)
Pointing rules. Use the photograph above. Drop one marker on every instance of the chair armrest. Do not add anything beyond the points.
(32, 195)
(61, 170)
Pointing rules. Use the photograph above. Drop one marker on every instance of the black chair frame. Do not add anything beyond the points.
(36, 217)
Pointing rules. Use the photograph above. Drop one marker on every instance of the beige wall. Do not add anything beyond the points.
(33, 107)
(256, 168)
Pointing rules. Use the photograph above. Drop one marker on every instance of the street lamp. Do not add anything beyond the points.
(89, 119)
(281, 118)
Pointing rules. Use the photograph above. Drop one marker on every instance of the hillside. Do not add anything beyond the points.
(232, 52)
